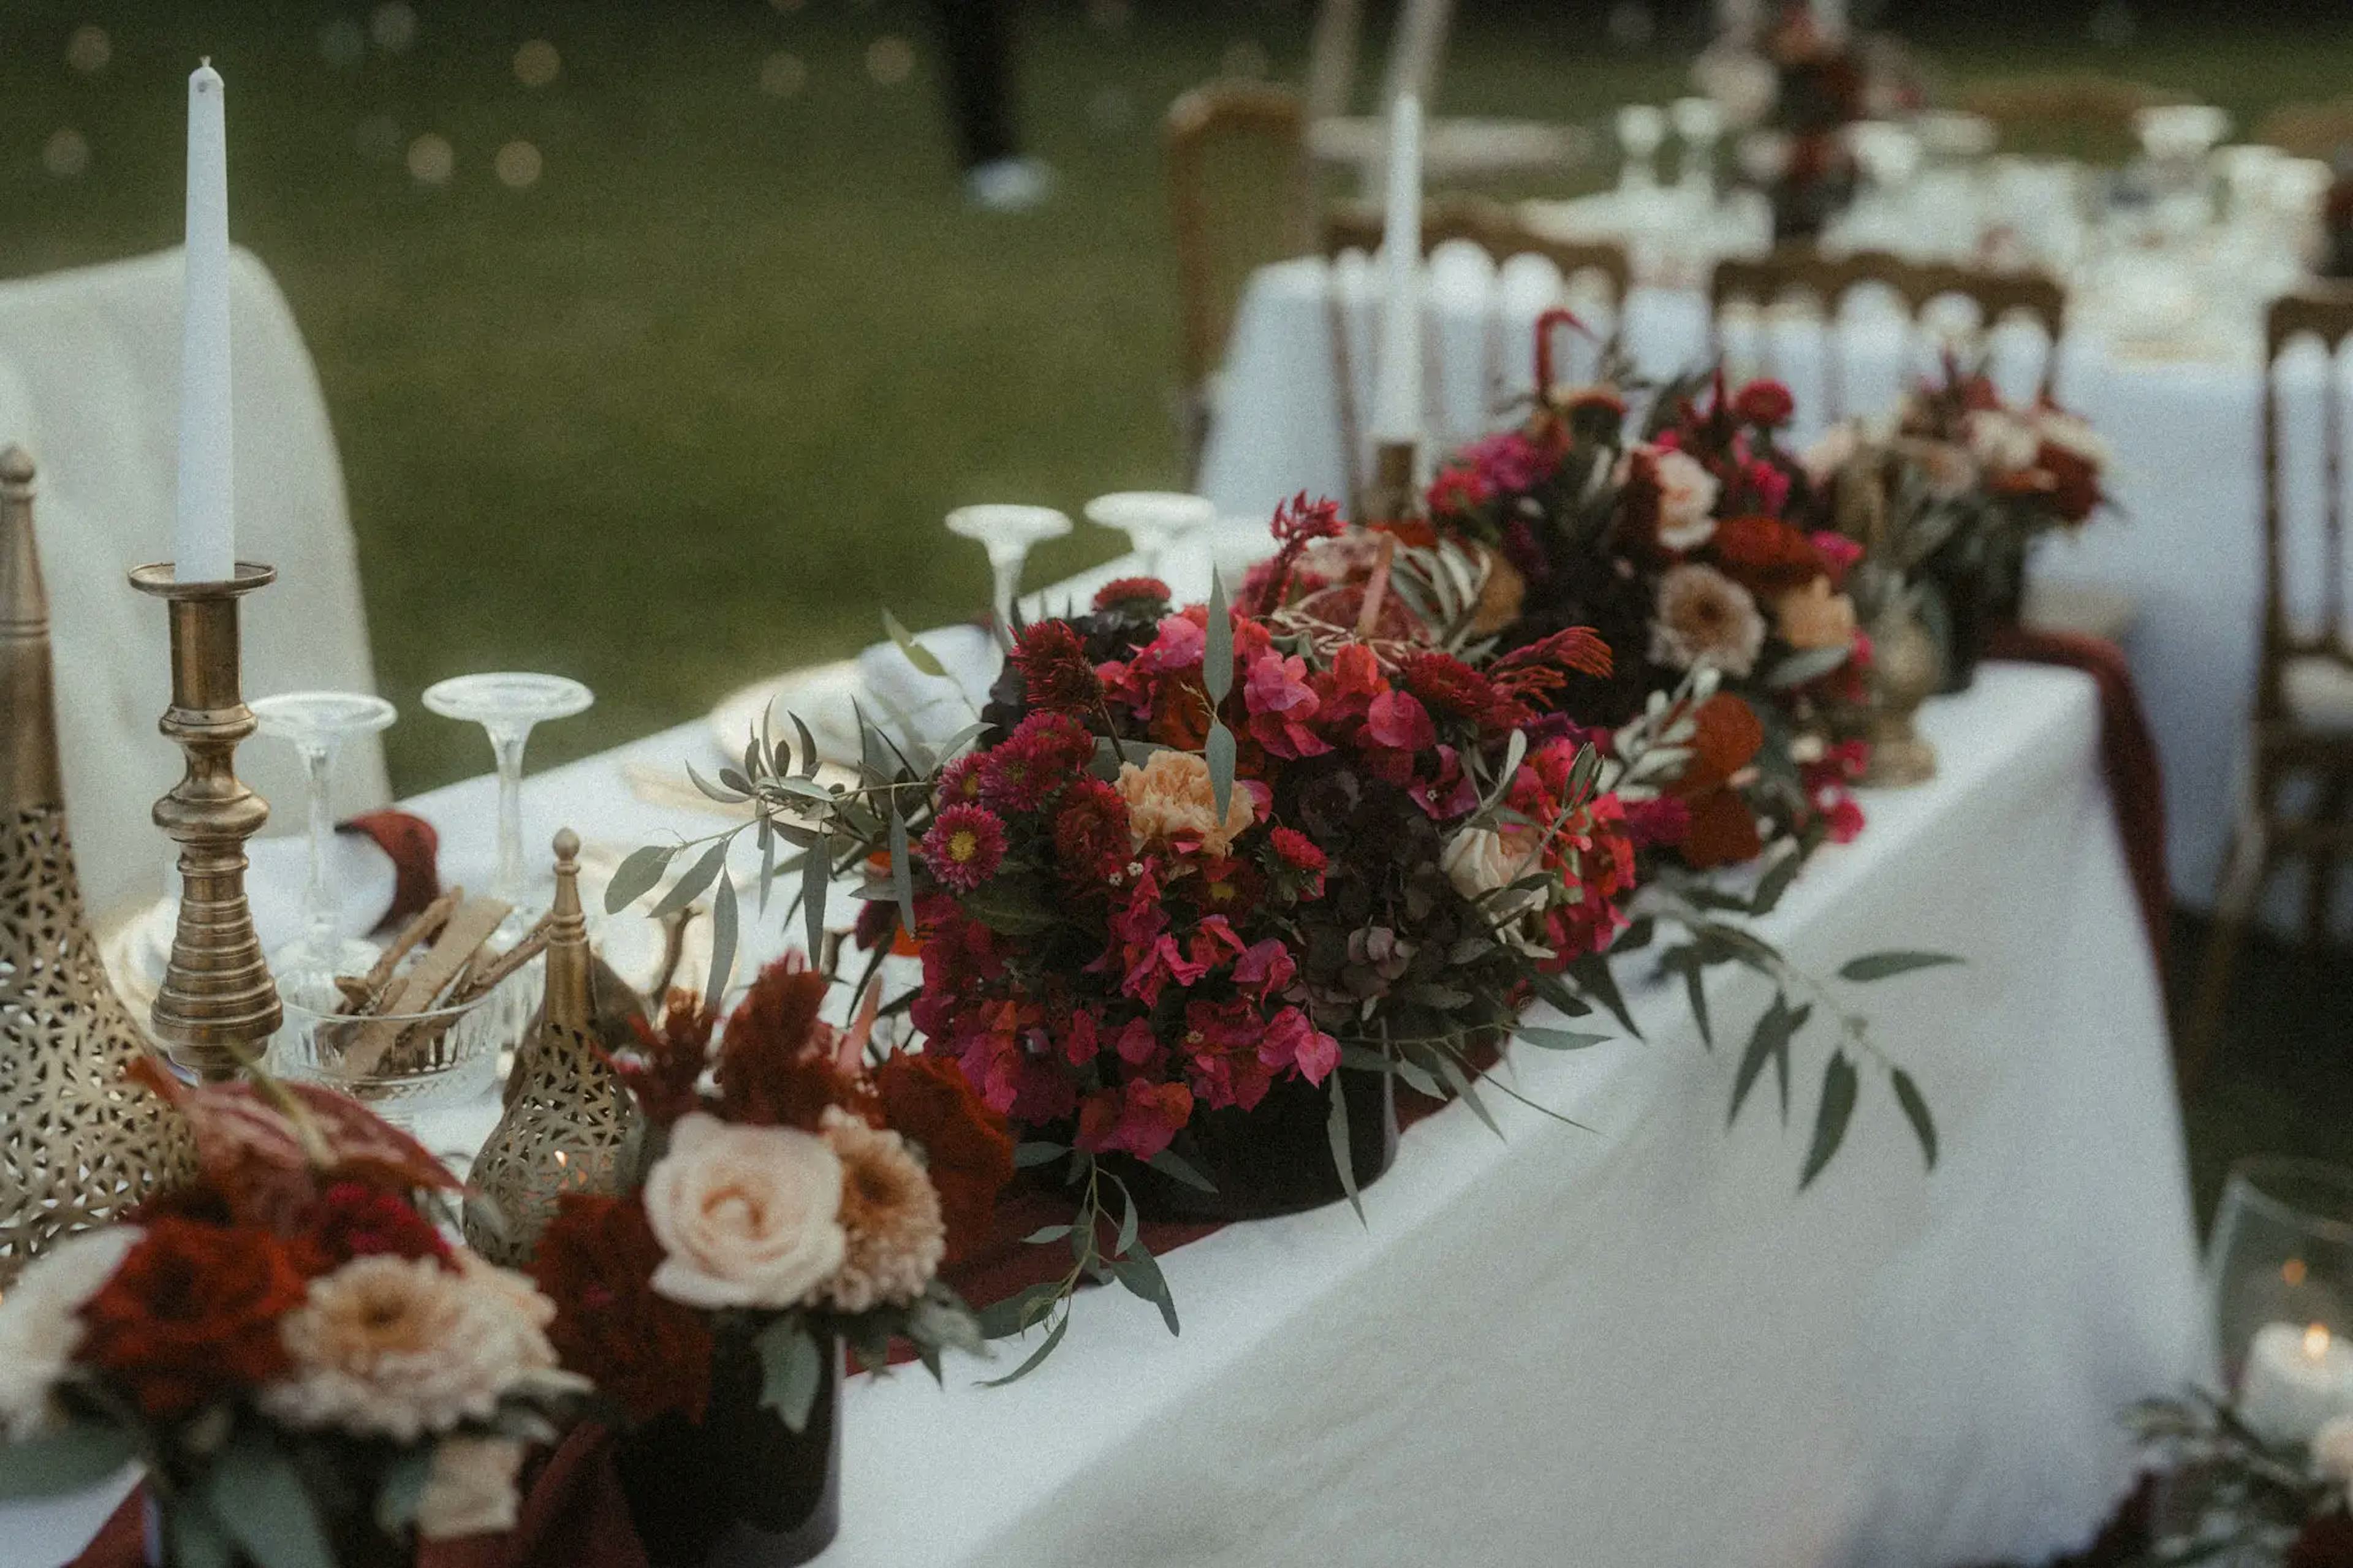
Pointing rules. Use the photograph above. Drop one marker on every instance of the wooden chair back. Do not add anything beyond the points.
(2326, 313)
(2322, 130)
(1492, 226)
(1803, 271)
(1218, 137)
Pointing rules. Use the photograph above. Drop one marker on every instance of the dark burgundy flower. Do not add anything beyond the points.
(964, 846)
(967, 1148)
(1056, 676)
(1090, 832)
(595, 1262)
(1132, 594)
(193, 1314)
(1766, 403)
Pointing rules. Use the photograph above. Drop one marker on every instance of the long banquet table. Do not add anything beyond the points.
(2185, 542)
(1634, 1343)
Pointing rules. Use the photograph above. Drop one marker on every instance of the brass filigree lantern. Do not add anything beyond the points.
(78, 1143)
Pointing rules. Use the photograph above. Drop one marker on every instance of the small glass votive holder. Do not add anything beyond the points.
(2279, 1268)
(399, 1065)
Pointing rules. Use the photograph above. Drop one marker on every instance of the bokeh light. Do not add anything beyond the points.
(536, 63)
(378, 138)
(890, 59)
(517, 165)
(431, 160)
(89, 50)
(782, 75)
(65, 153)
(392, 26)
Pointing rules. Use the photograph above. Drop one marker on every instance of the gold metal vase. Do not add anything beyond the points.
(1906, 671)
(78, 1144)
(568, 1119)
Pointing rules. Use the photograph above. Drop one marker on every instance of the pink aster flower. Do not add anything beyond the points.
(964, 846)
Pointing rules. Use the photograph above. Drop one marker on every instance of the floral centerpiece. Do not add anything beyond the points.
(1201, 885)
(791, 1196)
(309, 1371)
(1684, 546)
(1946, 497)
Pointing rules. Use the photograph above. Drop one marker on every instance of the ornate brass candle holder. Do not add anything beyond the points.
(1392, 497)
(82, 1142)
(218, 1005)
(568, 1118)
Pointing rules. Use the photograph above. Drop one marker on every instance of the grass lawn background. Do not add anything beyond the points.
(690, 408)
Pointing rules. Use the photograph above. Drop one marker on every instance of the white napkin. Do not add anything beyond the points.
(356, 865)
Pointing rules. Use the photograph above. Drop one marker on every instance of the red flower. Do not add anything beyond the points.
(669, 1061)
(1055, 674)
(1457, 490)
(1132, 594)
(193, 1313)
(1449, 685)
(1766, 403)
(964, 846)
(1290, 1041)
(959, 782)
(352, 1219)
(967, 1148)
(1141, 1117)
(1765, 555)
(1045, 751)
(1299, 521)
(775, 1063)
(1297, 850)
(1090, 833)
(1531, 677)
(1399, 723)
(595, 1262)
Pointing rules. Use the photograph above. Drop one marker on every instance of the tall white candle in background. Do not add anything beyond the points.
(1396, 397)
(204, 532)
(2297, 1376)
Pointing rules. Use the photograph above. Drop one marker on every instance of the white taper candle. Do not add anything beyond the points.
(1396, 397)
(204, 531)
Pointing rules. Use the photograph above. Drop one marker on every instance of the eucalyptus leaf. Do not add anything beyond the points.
(902, 879)
(1045, 1349)
(723, 793)
(1831, 1116)
(1140, 1272)
(1916, 1111)
(1775, 1029)
(1556, 1039)
(919, 655)
(1592, 971)
(723, 941)
(1465, 1090)
(1020, 1312)
(1776, 881)
(1336, 1127)
(1045, 1234)
(1809, 664)
(791, 1369)
(254, 1490)
(816, 877)
(402, 1485)
(1221, 753)
(1174, 1166)
(1884, 965)
(697, 879)
(1029, 1154)
(638, 876)
(808, 768)
(1218, 650)
(79, 1456)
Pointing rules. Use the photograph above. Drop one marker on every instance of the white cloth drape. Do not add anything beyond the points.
(89, 384)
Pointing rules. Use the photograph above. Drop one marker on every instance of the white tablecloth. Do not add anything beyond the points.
(1636, 1344)
(2188, 474)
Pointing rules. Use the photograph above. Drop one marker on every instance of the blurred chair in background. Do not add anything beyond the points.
(2299, 791)
(89, 370)
(1802, 272)
(1238, 197)
(1493, 227)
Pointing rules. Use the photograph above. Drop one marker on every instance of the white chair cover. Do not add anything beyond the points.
(89, 374)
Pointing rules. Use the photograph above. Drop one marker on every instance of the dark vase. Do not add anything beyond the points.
(1275, 1158)
(739, 1486)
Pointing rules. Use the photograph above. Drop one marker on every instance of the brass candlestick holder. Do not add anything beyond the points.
(218, 1005)
(83, 1143)
(1392, 497)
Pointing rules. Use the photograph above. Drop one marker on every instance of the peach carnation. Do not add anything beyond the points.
(1169, 799)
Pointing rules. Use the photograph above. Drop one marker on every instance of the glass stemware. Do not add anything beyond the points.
(1153, 521)
(1007, 532)
(508, 706)
(318, 724)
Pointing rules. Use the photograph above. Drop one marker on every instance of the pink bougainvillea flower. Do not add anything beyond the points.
(1138, 1119)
